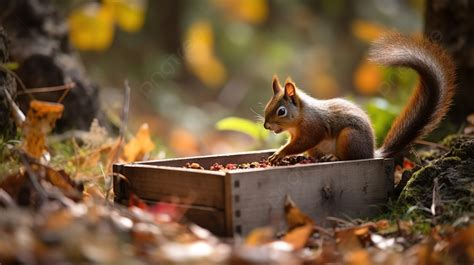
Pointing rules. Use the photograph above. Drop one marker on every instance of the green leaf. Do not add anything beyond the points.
(249, 127)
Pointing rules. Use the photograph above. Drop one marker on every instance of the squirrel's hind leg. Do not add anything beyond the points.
(354, 144)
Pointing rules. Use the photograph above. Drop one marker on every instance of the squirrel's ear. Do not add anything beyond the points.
(290, 90)
(276, 85)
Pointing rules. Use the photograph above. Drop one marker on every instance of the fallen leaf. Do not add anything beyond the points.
(40, 120)
(61, 179)
(357, 257)
(138, 146)
(260, 236)
(135, 201)
(299, 236)
(294, 216)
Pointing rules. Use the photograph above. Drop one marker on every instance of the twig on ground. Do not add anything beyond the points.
(47, 89)
(22, 85)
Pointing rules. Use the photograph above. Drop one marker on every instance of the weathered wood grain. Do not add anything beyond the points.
(162, 183)
(353, 189)
(229, 203)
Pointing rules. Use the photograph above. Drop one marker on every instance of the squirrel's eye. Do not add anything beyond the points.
(281, 112)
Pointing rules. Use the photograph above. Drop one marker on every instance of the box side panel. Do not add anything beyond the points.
(207, 161)
(164, 184)
(209, 218)
(354, 189)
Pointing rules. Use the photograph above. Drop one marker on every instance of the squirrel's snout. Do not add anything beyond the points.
(266, 125)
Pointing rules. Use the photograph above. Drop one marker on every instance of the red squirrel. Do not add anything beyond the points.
(339, 127)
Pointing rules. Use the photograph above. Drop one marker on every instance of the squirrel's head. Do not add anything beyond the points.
(283, 109)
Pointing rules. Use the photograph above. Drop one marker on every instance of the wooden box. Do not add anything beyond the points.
(235, 202)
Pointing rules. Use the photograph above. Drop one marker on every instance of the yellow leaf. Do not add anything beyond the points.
(91, 27)
(130, 14)
(138, 146)
(199, 55)
(366, 30)
(367, 78)
(40, 120)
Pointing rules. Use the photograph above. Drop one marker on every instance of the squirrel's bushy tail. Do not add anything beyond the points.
(432, 97)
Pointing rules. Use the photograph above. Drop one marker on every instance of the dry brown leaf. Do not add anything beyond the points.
(138, 146)
(40, 120)
(299, 236)
(60, 179)
(294, 216)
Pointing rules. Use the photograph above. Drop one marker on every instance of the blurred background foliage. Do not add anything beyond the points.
(194, 64)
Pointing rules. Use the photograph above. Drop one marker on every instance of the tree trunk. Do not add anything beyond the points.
(7, 83)
(40, 44)
(451, 23)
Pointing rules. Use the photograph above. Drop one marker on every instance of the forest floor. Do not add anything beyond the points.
(58, 208)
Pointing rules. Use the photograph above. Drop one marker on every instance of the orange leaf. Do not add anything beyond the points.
(367, 78)
(260, 236)
(366, 30)
(299, 236)
(40, 120)
(139, 146)
(357, 257)
(182, 142)
(294, 216)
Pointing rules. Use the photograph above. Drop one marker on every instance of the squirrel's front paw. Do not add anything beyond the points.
(276, 157)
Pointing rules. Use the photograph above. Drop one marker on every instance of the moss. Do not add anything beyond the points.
(455, 174)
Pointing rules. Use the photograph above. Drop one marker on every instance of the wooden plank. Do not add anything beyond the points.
(207, 161)
(228, 211)
(207, 217)
(342, 189)
(203, 188)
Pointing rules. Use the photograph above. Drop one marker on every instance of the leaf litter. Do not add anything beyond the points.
(61, 211)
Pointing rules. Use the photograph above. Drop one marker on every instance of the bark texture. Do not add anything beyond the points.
(39, 43)
(451, 23)
(7, 83)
